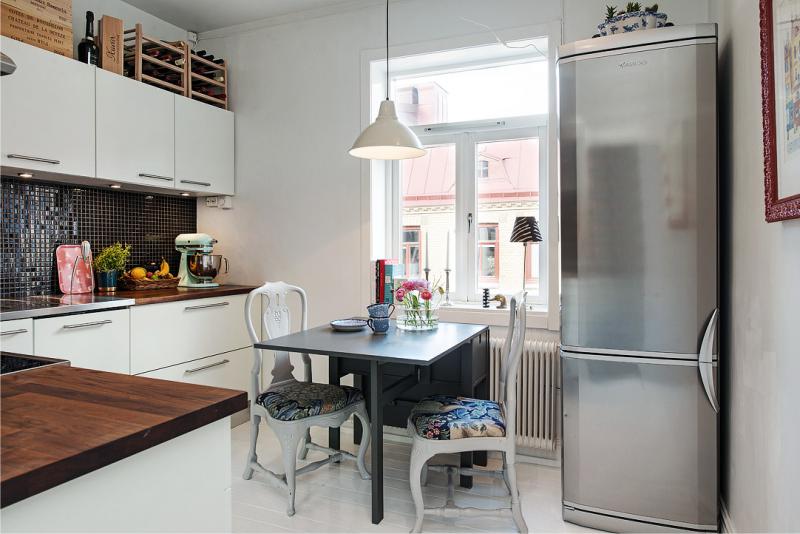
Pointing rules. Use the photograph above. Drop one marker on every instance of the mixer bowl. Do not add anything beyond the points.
(206, 266)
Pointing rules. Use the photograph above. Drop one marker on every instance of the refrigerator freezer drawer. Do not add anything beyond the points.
(640, 440)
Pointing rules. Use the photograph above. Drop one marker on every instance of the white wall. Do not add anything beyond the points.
(296, 91)
(761, 277)
(129, 14)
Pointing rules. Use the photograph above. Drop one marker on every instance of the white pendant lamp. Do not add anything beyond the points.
(387, 137)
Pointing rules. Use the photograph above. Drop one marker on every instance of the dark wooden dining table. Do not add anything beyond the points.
(395, 370)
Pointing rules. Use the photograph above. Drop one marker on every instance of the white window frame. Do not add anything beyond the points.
(465, 136)
(376, 201)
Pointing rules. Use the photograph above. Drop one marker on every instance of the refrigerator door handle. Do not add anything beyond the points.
(705, 360)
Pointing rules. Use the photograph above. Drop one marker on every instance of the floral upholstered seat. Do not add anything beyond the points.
(297, 400)
(445, 417)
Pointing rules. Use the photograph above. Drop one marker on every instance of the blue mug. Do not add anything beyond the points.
(380, 310)
(379, 325)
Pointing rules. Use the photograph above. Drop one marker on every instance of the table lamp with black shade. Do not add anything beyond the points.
(526, 230)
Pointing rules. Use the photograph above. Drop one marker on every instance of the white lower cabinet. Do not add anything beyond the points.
(98, 340)
(176, 332)
(17, 336)
(182, 485)
(228, 370)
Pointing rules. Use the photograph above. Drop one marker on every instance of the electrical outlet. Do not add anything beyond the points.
(212, 202)
(225, 202)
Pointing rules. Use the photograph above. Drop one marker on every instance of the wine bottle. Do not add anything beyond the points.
(87, 48)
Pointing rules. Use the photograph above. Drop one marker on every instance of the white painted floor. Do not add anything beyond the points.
(334, 498)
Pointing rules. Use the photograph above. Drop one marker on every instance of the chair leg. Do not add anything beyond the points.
(418, 461)
(516, 510)
(361, 414)
(303, 450)
(289, 439)
(505, 473)
(252, 457)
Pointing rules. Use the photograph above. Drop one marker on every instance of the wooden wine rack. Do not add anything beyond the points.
(140, 63)
(178, 69)
(203, 83)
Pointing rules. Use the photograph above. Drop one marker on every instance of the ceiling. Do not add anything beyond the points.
(205, 15)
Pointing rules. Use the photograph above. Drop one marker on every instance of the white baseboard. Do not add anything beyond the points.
(727, 522)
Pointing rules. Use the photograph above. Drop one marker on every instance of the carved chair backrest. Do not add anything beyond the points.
(511, 358)
(276, 322)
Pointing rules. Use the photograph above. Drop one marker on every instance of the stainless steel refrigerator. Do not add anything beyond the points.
(638, 166)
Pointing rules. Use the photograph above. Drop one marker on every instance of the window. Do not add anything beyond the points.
(484, 123)
(409, 253)
(483, 168)
(488, 252)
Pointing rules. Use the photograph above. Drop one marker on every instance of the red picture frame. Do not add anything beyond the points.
(776, 209)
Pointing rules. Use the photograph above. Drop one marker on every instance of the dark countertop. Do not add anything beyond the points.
(59, 423)
(158, 296)
(52, 305)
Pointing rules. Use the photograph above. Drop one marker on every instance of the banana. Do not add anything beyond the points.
(163, 269)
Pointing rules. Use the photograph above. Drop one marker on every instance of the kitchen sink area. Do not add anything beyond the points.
(48, 305)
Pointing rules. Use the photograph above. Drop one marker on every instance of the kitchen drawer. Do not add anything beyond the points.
(176, 332)
(228, 370)
(99, 340)
(17, 336)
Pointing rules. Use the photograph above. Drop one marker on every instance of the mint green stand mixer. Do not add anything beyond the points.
(198, 266)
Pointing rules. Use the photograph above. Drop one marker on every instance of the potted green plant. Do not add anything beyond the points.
(108, 264)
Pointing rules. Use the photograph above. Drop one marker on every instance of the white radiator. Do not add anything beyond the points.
(537, 391)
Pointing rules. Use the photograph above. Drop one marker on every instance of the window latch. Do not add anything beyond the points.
(469, 223)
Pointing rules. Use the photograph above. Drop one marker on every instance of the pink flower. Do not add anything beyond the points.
(408, 285)
(400, 293)
(426, 295)
(420, 284)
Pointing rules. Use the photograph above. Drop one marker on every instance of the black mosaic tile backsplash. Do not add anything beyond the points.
(39, 216)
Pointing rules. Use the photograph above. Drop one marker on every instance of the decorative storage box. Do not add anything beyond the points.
(46, 24)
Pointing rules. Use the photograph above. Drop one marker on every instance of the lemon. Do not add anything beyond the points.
(137, 273)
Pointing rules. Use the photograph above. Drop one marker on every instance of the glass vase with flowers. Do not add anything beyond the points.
(420, 300)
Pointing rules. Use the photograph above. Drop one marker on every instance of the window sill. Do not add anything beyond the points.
(476, 314)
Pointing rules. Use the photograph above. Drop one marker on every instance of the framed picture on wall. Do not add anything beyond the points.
(780, 90)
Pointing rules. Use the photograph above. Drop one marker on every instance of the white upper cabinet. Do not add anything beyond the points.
(135, 132)
(203, 147)
(47, 112)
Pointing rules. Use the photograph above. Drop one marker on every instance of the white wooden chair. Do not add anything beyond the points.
(291, 407)
(446, 424)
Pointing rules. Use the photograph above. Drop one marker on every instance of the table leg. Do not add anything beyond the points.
(358, 383)
(376, 428)
(333, 378)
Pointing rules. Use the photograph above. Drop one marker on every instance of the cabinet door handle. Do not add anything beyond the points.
(204, 306)
(17, 331)
(85, 325)
(204, 184)
(209, 366)
(34, 158)
(156, 177)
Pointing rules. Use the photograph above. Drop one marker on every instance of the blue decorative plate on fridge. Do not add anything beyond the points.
(348, 325)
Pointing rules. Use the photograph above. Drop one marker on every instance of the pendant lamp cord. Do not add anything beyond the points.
(387, 49)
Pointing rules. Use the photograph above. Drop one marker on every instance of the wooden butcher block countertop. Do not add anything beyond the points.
(158, 296)
(61, 422)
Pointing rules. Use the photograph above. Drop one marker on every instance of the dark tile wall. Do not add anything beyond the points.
(39, 216)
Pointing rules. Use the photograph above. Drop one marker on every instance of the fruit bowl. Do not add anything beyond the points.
(139, 278)
(146, 283)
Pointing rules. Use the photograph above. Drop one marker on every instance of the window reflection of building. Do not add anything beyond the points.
(424, 103)
(410, 256)
(488, 252)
